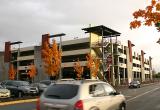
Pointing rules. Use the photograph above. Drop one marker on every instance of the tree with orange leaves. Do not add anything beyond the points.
(32, 71)
(93, 64)
(79, 69)
(148, 17)
(51, 56)
(11, 72)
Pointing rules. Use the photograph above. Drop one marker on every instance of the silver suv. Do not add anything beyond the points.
(81, 95)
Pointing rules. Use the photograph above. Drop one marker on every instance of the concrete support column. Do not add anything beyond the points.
(119, 77)
(118, 71)
(128, 66)
(112, 69)
(124, 76)
(143, 75)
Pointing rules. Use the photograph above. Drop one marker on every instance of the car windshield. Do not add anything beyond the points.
(61, 91)
(34, 84)
(38, 84)
(134, 82)
(21, 83)
(4, 82)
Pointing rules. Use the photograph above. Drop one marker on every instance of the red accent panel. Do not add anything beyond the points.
(7, 52)
(130, 50)
(45, 38)
(142, 54)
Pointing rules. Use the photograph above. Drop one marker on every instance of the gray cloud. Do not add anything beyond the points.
(27, 20)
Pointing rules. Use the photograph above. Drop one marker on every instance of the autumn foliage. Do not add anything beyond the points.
(52, 58)
(32, 72)
(93, 65)
(79, 69)
(148, 16)
(11, 72)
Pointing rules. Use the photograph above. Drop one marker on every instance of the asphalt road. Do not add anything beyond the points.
(20, 106)
(144, 98)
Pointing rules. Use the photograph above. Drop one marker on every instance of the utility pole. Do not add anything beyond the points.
(18, 55)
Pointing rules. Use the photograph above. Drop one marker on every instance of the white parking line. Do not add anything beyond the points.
(142, 94)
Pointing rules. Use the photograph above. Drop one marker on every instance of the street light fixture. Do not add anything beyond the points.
(158, 41)
(18, 42)
(57, 35)
(132, 45)
(18, 54)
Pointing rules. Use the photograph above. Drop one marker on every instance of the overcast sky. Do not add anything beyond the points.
(27, 20)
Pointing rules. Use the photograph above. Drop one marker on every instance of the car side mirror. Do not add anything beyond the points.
(115, 93)
(119, 92)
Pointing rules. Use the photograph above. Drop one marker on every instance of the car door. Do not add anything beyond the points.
(114, 100)
(99, 99)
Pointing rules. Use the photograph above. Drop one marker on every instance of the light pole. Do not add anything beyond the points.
(18, 55)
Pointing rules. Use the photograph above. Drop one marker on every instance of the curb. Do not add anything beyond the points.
(17, 102)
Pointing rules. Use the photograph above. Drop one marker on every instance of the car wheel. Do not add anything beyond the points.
(122, 107)
(20, 94)
(94, 108)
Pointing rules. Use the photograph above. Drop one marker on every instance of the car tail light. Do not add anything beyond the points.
(79, 105)
(38, 104)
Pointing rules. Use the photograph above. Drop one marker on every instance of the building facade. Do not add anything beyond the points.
(27, 56)
(119, 65)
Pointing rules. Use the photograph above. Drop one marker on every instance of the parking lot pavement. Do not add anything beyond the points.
(28, 104)
(147, 95)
